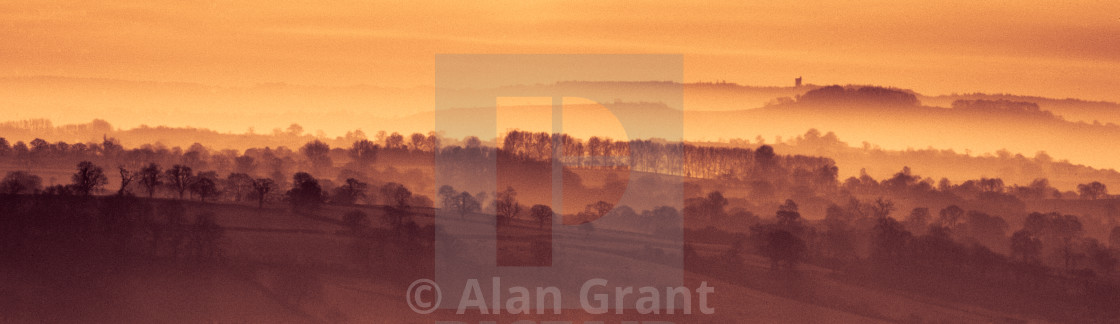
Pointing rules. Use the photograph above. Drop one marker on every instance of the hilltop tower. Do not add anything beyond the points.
(797, 82)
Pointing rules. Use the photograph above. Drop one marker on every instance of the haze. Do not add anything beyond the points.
(1062, 49)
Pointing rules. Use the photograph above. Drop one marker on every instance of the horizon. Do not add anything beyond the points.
(997, 47)
(773, 161)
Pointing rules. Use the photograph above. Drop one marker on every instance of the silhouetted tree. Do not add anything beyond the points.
(239, 184)
(1025, 247)
(394, 141)
(882, 208)
(447, 195)
(710, 208)
(950, 217)
(472, 142)
(1038, 189)
(150, 178)
(599, 208)
(464, 203)
(889, 240)
(877, 96)
(416, 141)
(363, 152)
(245, 164)
(789, 218)
(318, 153)
(1094, 190)
(179, 178)
(17, 182)
(1058, 231)
(987, 229)
(350, 192)
(918, 220)
(306, 192)
(764, 157)
(782, 246)
(126, 178)
(295, 130)
(839, 238)
(506, 206)
(204, 187)
(432, 142)
(263, 186)
(89, 178)
(542, 213)
(395, 194)
(1101, 257)
(990, 185)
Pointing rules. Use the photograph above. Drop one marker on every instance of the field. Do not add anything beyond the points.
(277, 265)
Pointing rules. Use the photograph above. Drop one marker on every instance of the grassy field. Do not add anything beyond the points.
(281, 266)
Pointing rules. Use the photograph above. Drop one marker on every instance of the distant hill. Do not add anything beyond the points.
(1017, 127)
(1075, 110)
(222, 116)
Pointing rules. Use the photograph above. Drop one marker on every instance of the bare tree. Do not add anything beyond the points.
(263, 186)
(89, 178)
(882, 208)
(506, 206)
(363, 152)
(150, 178)
(179, 178)
(126, 178)
(239, 183)
(318, 153)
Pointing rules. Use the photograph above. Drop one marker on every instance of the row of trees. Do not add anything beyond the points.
(868, 231)
(305, 192)
(768, 175)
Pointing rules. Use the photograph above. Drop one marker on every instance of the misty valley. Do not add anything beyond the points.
(334, 233)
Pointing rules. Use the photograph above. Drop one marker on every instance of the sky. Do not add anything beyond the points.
(1053, 48)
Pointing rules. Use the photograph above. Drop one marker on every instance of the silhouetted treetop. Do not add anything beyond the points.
(90, 178)
(1002, 105)
(859, 96)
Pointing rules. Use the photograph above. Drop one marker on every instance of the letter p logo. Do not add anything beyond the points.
(571, 160)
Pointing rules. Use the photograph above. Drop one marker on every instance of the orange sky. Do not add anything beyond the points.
(1057, 49)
